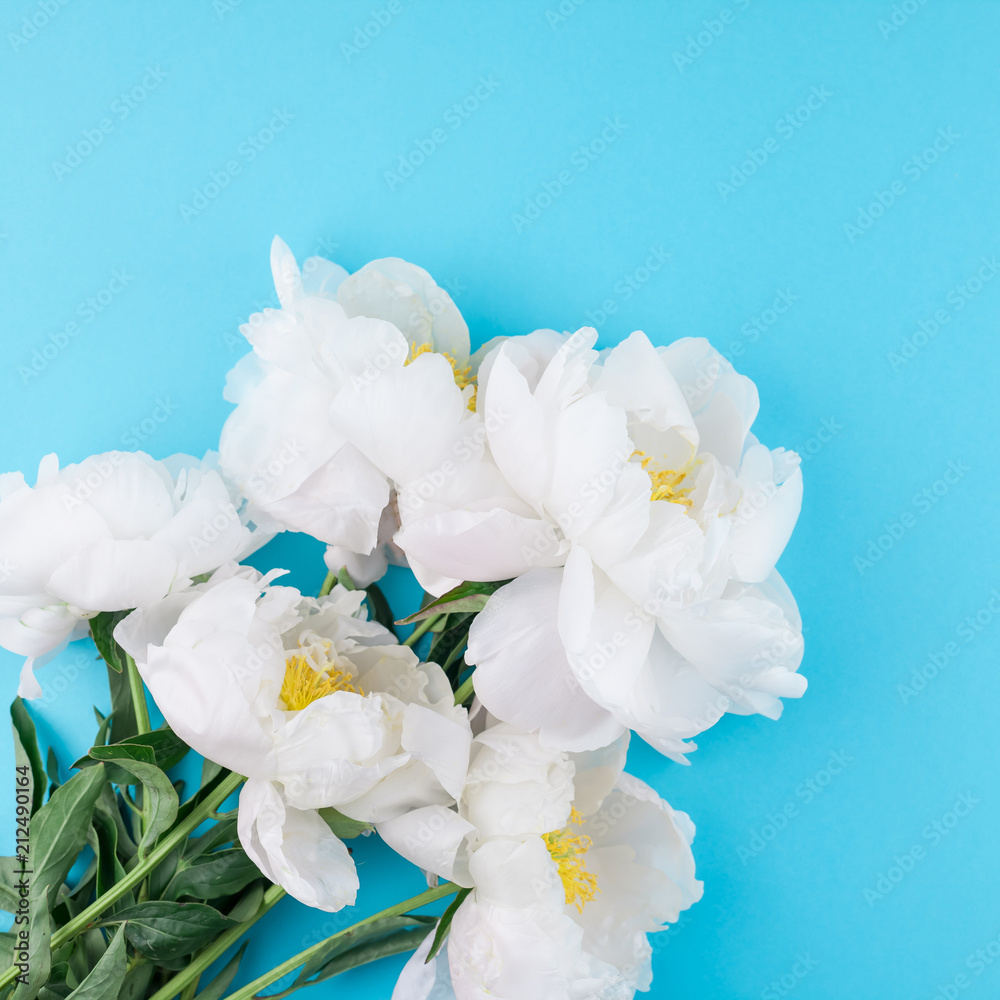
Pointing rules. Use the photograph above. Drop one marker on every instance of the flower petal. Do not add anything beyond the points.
(296, 849)
(522, 674)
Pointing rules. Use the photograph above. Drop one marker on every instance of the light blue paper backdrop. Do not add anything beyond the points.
(811, 186)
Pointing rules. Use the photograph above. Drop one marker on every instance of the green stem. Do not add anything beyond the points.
(142, 724)
(420, 629)
(189, 977)
(331, 579)
(164, 846)
(438, 892)
(138, 693)
(464, 690)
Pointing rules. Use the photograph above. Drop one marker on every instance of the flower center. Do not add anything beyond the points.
(666, 483)
(311, 674)
(567, 849)
(463, 376)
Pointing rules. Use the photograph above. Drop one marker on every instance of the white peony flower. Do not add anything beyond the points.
(317, 706)
(328, 349)
(640, 521)
(107, 534)
(571, 863)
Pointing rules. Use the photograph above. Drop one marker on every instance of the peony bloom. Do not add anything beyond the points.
(112, 532)
(571, 862)
(640, 521)
(336, 336)
(317, 706)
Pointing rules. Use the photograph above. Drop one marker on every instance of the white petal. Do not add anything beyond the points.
(115, 574)
(284, 270)
(130, 491)
(334, 750)
(423, 980)
(479, 545)
(440, 743)
(517, 787)
(764, 520)
(407, 296)
(322, 277)
(405, 420)
(522, 674)
(635, 377)
(434, 838)
(39, 528)
(296, 849)
(723, 403)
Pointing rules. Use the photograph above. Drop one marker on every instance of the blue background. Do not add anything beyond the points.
(879, 423)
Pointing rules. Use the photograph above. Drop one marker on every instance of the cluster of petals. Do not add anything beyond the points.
(638, 520)
(571, 862)
(626, 519)
(337, 336)
(112, 532)
(317, 706)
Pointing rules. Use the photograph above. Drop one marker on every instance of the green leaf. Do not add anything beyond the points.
(59, 828)
(104, 842)
(52, 770)
(88, 950)
(379, 605)
(103, 728)
(124, 751)
(136, 986)
(39, 950)
(448, 645)
(219, 986)
(123, 724)
(222, 832)
(27, 753)
(368, 934)
(102, 629)
(160, 876)
(164, 930)
(444, 924)
(7, 941)
(467, 598)
(10, 870)
(106, 978)
(161, 747)
(210, 771)
(343, 826)
(405, 939)
(344, 579)
(221, 874)
(249, 903)
(111, 804)
(162, 798)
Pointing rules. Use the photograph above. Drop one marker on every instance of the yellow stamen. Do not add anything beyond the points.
(306, 682)
(666, 483)
(463, 376)
(567, 849)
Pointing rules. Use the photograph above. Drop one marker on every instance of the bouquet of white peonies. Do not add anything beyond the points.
(596, 534)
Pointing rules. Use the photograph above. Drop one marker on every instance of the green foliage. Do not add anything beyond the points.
(466, 598)
(118, 802)
(444, 924)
